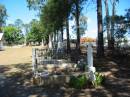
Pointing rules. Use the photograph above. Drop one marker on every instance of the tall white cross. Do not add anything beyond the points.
(91, 69)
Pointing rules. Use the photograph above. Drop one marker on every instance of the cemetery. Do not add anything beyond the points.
(64, 48)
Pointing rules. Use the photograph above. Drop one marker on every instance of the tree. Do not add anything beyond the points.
(35, 34)
(107, 23)
(100, 44)
(113, 22)
(26, 31)
(18, 23)
(67, 13)
(3, 15)
(127, 16)
(12, 35)
(52, 22)
(82, 25)
(35, 4)
(77, 7)
(120, 28)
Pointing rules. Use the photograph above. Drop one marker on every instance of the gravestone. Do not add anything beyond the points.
(1, 41)
(59, 41)
(42, 43)
(91, 68)
(50, 42)
(60, 44)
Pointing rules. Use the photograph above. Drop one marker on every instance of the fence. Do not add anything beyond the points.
(45, 64)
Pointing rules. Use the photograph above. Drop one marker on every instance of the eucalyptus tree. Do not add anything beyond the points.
(127, 15)
(53, 15)
(27, 28)
(120, 28)
(35, 4)
(107, 23)
(113, 2)
(76, 11)
(100, 44)
(18, 23)
(3, 15)
(67, 14)
(82, 25)
(34, 34)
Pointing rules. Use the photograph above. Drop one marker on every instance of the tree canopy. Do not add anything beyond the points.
(3, 15)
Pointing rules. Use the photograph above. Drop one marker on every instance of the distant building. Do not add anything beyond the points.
(87, 39)
(1, 41)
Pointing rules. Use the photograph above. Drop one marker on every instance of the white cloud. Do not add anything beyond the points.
(91, 33)
(89, 21)
(9, 22)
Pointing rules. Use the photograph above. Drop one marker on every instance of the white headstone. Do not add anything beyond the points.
(50, 42)
(91, 69)
(90, 55)
(60, 44)
(1, 41)
(42, 43)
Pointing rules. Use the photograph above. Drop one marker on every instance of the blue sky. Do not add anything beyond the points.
(17, 9)
(92, 17)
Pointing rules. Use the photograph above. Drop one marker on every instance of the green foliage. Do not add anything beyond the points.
(35, 34)
(82, 81)
(13, 35)
(53, 15)
(127, 16)
(18, 23)
(3, 14)
(99, 79)
(120, 27)
(82, 27)
(35, 4)
(78, 82)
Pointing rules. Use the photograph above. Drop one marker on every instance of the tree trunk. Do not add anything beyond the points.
(77, 27)
(62, 33)
(54, 42)
(112, 25)
(107, 24)
(67, 27)
(100, 45)
(0, 27)
(68, 39)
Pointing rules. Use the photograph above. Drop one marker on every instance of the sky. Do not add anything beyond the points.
(17, 9)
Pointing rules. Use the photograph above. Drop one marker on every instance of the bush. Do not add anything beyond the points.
(78, 82)
(99, 79)
(82, 81)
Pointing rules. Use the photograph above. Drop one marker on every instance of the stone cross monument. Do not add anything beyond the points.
(91, 69)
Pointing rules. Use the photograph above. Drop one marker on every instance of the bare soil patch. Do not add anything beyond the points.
(15, 55)
(16, 74)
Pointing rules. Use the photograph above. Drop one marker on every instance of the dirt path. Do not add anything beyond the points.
(15, 56)
(15, 78)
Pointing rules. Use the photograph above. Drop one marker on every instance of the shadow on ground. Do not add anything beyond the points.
(18, 83)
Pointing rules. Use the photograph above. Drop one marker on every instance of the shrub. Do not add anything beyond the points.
(82, 81)
(78, 82)
(99, 79)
